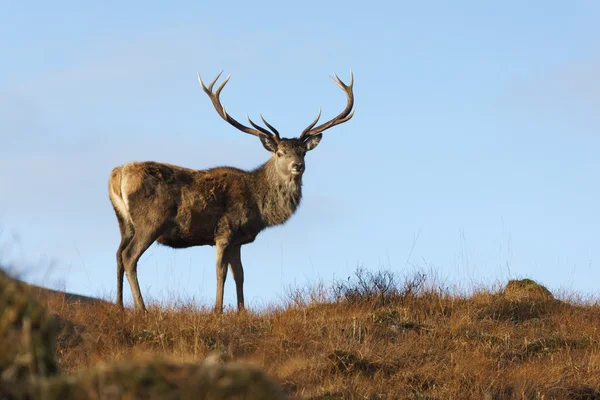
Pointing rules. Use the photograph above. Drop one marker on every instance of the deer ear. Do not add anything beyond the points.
(268, 143)
(312, 142)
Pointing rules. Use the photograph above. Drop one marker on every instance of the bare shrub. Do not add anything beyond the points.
(379, 288)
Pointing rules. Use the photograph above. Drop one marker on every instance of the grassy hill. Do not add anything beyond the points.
(373, 337)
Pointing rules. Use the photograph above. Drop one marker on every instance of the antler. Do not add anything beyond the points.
(341, 118)
(214, 97)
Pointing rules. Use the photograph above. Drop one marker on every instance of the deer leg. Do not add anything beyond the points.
(126, 236)
(131, 254)
(221, 275)
(235, 263)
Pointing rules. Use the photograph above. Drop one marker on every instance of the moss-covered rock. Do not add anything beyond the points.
(526, 289)
(163, 379)
(28, 368)
(27, 337)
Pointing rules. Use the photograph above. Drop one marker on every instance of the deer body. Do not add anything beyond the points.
(202, 207)
(224, 207)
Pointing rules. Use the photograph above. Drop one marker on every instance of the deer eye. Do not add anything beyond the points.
(279, 154)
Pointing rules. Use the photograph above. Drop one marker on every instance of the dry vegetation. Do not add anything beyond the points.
(372, 337)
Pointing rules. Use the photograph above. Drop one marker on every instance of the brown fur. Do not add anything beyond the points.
(224, 207)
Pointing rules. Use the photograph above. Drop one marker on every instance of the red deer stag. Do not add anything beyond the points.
(224, 207)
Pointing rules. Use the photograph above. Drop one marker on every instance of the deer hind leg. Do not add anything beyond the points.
(235, 264)
(126, 236)
(139, 243)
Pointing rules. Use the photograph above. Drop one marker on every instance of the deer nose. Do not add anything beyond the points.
(298, 166)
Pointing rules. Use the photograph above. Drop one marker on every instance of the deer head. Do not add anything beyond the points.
(288, 154)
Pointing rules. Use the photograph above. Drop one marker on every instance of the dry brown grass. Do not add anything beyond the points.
(375, 339)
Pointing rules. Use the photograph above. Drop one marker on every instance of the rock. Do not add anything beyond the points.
(163, 379)
(28, 369)
(526, 289)
(27, 337)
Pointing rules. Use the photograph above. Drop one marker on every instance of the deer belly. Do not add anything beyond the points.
(177, 238)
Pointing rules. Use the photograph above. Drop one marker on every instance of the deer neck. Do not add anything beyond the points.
(278, 197)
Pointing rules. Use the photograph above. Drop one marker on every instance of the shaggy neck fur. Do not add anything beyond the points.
(278, 197)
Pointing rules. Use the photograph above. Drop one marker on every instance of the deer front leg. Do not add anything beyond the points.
(221, 275)
(235, 263)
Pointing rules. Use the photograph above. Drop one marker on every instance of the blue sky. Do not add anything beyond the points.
(473, 150)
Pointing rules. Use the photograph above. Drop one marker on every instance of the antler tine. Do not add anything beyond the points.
(210, 87)
(270, 127)
(274, 134)
(341, 84)
(342, 117)
(214, 97)
(346, 118)
(221, 86)
(202, 83)
(260, 128)
(338, 81)
(309, 127)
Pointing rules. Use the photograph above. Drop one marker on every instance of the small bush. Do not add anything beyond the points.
(379, 288)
